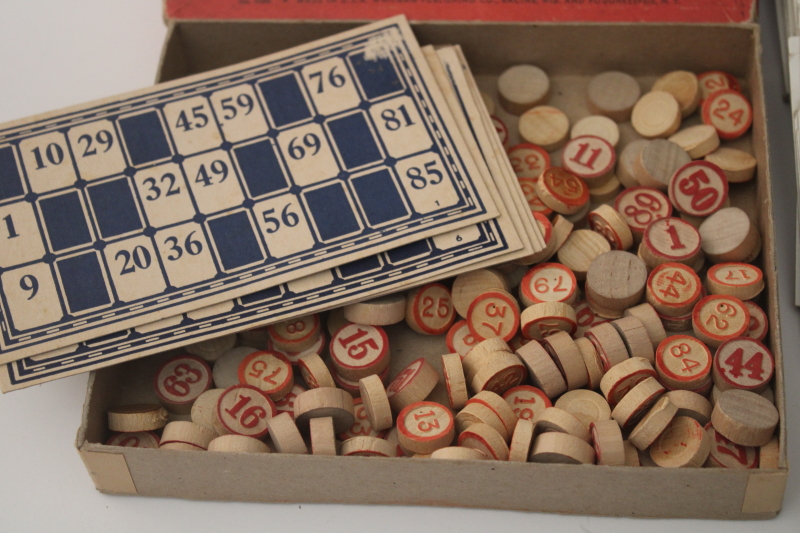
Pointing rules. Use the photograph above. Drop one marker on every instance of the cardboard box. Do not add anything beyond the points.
(570, 53)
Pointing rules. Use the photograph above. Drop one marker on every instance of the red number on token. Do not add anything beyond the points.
(251, 416)
(754, 365)
(360, 350)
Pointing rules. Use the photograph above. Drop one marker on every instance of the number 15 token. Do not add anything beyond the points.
(358, 351)
(424, 427)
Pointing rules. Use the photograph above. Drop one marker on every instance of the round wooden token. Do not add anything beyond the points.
(257, 338)
(536, 205)
(729, 112)
(562, 228)
(632, 455)
(315, 372)
(740, 280)
(485, 439)
(727, 454)
(358, 351)
(286, 404)
(381, 311)
(501, 129)
(594, 365)
(653, 423)
(424, 427)
(769, 454)
(194, 436)
(656, 115)
(237, 444)
(698, 188)
(323, 438)
(684, 443)
(492, 314)
(607, 221)
(528, 160)
(212, 349)
(458, 453)
(715, 80)
(580, 249)
(698, 141)
(610, 346)
(540, 320)
(429, 309)
(454, 380)
(683, 362)
(548, 282)
(613, 94)
(673, 289)
(639, 206)
(296, 334)
(204, 408)
(563, 448)
(615, 281)
(585, 405)
(580, 220)
(683, 85)
(543, 371)
(658, 162)
(336, 320)
(480, 413)
(366, 447)
(138, 439)
(738, 166)
(180, 446)
(568, 358)
(670, 240)
(412, 384)
(716, 319)
(586, 318)
(351, 386)
(544, 126)
(676, 324)
(633, 333)
(621, 378)
(597, 126)
(362, 425)
(609, 449)
(488, 102)
(606, 192)
(375, 403)
(483, 350)
(647, 314)
(692, 405)
(729, 236)
(635, 403)
(285, 436)
(521, 87)
(744, 417)
(589, 157)
(521, 442)
(294, 357)
(558, 420)
(743, 363)
(269, 371)
(759, 323)
(244, 410)
(562, 191)
(500, 407)
(527, 402)
(459, 339)
(180, 380)
(498, 373)
(626, 160)
(469, 285)
(137, 418)
(323, 402)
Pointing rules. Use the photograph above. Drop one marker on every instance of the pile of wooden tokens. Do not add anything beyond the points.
(670, 335)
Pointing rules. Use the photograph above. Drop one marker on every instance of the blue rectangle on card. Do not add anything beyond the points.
(284, 99)
(377, 75)
(379, 197)
(114, 208)
(355, 141)
(404, 253)
(260, 168)
(331, 211)
(360, 266)
(10, 180)
(65, 222)
(145, 138)
(83, 283)
(235, 241)
(260, 296)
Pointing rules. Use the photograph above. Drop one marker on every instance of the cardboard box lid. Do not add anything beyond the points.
(718, 11)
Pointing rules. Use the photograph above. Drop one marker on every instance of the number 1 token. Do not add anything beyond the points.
(424, 427)
(683, 362)
(589, 157)
(527, 402)
(244, 410)
(180, 381)
(528, 160)
(358, 351)
(639, 206)
(716, 319)
(698, 188)
(673, 289)
(742, 280)
(729, 112)
(296, 334)
(670, 239)
(429, 309)
(269, 371)
(459, 339)
(562, 191)
(743, 364)
(493, 314)
(548, 282)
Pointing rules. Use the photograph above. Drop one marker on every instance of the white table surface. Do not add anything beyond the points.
(54, 54)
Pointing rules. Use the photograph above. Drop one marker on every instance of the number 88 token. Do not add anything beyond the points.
(424, 427)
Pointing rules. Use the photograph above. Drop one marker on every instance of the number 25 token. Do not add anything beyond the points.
(698, 188)
(493, 314)
(429, 309)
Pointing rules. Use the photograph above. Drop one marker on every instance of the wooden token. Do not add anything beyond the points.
(286, 404)
(521, 442)
(542, 369)
(683, 85)
(500, 407)
(315, 372)
(351, 386)
(716, 319)
(429, 309)
(729, 236)
(493, 314)
(607, 221)
(562, 191)
(358, 351)
(769, 454)
(670, 240)
(412, 384)
(639, 206)
(698, 188)
(294, 357)
(336, 320)
(548, 282)
(684, 443)
(594, 365)
(485, 439)
(226, 368)
(562, 228)
(212, 349)
(362, 425)
(237, 444)
(586, 318)
(743, 363)
(454, 380)
(458, 453)
(738, 166)
(615, 281)
(609, 448)
(244, 410)
(138, 439)
(381, 311)
(536, 205)
(589, 157)
(632, 454)
(527, 402)
(626, 160)
(468, 286)
(137, 418)
(269, 371)
(563, 448)
(739, 280)
(658, 162)
(296, 334)
(759, 323)
(698, 141)
(180, 446)
(323, 438)
(521, 87)
(580, 220)
(653, 423)
(392, 438)
(692, 405)
(606, 192)
(323, 402)
(585, 405)
(683, 363)
(193, 436)
(540, 320)
(480, 413)
(204, 408)
(257, 338)
(488, 102)
(501, 129)
(498, 373)
(744, 417)
(180, 380)
(633, 333)
(376, 403)
(597, 126)
(673, 289)
(656, 115)
(610, 346)
(484, 349)
(285, 436)
(424, 427)
(580, 249)
(715, 80)
(621, 378)
(568, 358)
(559, 420)
(727, 454)
(676, 324)
(366, 447)
(544, 126)
(613, 94)
(729, 112)
(635, 403)
(528, 160)
(647, 314)
(459, 339)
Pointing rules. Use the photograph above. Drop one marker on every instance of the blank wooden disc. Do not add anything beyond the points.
(769, 454)
(555, 419)
(381, 311)
(376, 402)
(323, 437)
(610, 346)
(653, 423)
(238, 444)
(626, 170)
(454, 380)
(554, 447)
(500, 406)
(598, 126)
(544, 126)
(647, 314)
(633, 333)
(468, 286)
(521, 442)
(521, 87)
(632, 454)
(683, 85)
(480, 413)
(323, 402)
(730, 236)
(738, 166)
(658, 162)
(608, 444)
(485, 439)
(543, 371)
(498, 373)
(613, 94)
(580, 249)
(205, 406)
(594, 365)
(684, 443)
(615, 280)
(692, 405)
(212, 349)
(698, 141)
(656, 115)
(180, 432)
(621, 378)
(568, 358)
(585, 405)
(458, 453)
(635, 403)
(366, 447)
(139, 417)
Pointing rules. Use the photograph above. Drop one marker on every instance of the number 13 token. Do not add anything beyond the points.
(424, 427)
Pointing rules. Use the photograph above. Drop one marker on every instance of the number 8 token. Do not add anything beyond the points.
(295, 335)
(743, 364)
(698, 188)
(424, 427)
(358, 351)
(493, 314)
(429, 309)
(683, 362)
(716, 319)
(180, 381)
